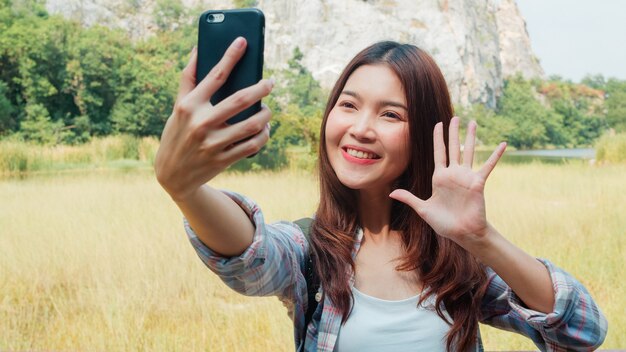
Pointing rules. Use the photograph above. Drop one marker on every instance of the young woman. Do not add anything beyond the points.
(405, 255)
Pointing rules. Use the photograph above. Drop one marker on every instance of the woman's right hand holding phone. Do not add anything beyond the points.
(197, 143)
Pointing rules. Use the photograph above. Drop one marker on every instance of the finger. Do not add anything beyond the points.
(240, 101)
(247, 148)
(188, 78)
(409, 199)
(219, 73)
(238, 132)
(231, 106)
(439, 146)
(470, 141)
(453, 141)
(492, 161)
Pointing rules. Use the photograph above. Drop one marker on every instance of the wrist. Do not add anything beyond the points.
(185, 195)
(485, 245)
(177, 187)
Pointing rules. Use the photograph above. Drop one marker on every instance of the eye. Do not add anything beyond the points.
(347, 104)
(392, 115)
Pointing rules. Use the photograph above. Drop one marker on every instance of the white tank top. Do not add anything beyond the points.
(383, 326)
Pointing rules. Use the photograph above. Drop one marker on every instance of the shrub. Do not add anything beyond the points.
(13, 157)
(611, 148)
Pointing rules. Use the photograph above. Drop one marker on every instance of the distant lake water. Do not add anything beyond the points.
(550, 156)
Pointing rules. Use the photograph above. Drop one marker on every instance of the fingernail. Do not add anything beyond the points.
(239, 42)
(272, 81)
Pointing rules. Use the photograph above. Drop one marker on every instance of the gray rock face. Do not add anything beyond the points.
(513, 41)
(477, 43)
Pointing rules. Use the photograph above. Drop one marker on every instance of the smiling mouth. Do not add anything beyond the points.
(360, 154)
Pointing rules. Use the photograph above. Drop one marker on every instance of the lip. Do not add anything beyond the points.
(361, 149)
(354, 160)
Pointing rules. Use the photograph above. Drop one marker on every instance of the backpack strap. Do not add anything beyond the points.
(310, 274)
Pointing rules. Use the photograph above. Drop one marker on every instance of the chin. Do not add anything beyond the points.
(358, 183)
(351, 182)
(354, 187)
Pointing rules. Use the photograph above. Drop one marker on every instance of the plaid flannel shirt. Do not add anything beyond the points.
(273, 265)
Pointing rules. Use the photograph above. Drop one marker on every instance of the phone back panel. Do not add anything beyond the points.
(215, 38)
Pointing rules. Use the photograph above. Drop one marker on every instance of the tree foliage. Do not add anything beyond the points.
(301, 112)
(529, 118)
(62, 82)
(537, 114)
(6, 109)
(616, 104)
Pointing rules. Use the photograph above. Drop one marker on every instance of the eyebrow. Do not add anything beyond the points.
(380, 103)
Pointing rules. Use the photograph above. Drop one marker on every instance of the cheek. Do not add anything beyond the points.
(401, 146)
(333, 130)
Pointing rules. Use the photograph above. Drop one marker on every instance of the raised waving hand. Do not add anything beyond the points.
(456, 209)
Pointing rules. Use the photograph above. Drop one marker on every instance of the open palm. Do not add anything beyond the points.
(456, 209)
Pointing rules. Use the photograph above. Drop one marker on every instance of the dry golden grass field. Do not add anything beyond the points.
(99, 261)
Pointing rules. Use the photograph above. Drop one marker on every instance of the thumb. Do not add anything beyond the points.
(409, 199)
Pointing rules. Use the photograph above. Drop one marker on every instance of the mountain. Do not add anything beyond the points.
(477, 43)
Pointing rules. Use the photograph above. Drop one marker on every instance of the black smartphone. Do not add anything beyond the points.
(216, 31)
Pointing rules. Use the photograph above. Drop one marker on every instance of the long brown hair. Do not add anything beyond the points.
(447, 271)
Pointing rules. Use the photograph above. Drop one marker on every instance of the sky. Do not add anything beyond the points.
(572, 38)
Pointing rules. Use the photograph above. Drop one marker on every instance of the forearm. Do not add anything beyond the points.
(217, 221)
(525, 275)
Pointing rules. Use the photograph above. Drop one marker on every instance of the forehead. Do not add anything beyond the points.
(376, 82)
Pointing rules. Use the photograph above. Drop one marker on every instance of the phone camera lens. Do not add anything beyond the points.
(216, 17)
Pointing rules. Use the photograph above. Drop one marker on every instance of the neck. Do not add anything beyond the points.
(375, 214)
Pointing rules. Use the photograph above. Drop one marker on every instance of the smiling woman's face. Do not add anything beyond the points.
(367, 130)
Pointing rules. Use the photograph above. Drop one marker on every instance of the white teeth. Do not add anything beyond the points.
(359, 154)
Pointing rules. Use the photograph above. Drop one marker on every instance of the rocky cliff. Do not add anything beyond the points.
(477, 43)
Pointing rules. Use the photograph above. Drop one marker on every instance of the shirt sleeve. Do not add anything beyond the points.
(575, 324)
(270, 266)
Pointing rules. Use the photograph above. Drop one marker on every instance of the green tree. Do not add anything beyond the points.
(616, 104)
(6, 110)
(594, 81)
(39, 128)
(302, 104)
(579, 109)
(302, 89)
(519, 106)
(145, 94)
(492, 128)
(93, 81)
(93, 77)
(581, 128)
(33, 56)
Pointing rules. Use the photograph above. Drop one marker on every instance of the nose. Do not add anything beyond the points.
(362, 128)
